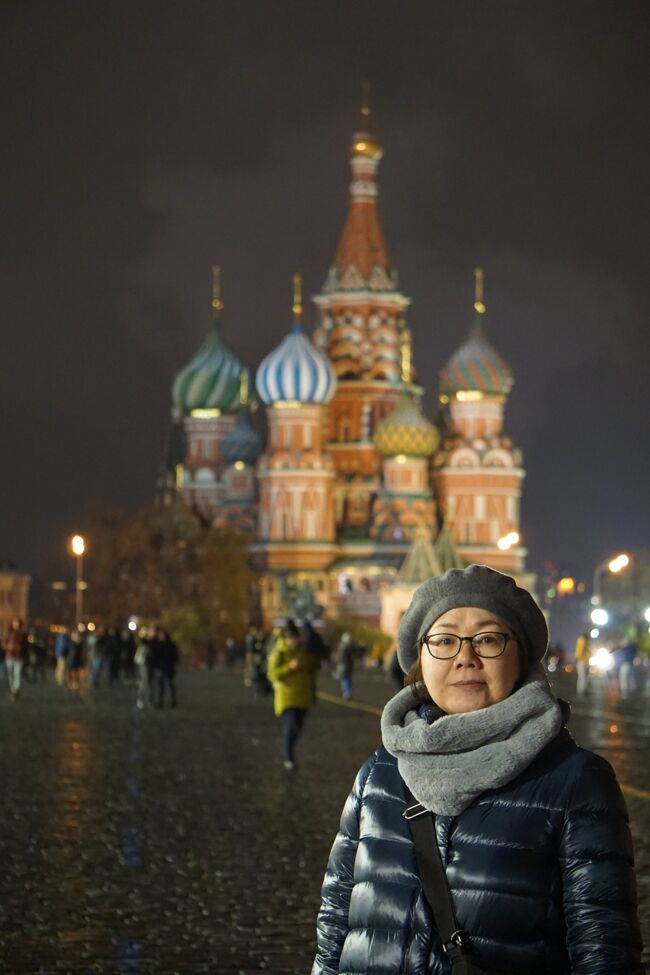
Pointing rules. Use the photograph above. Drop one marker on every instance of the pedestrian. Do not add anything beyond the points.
(15, 647)
(100, 658)
(255, 675)
(61, 648)
(128, 646)
(625, 657)
(394, 671)
(291, 670)
(36, 656)
(344, 669)
(92, 656)
(314, 643)
(230, 652)
(113, 650)
(75, 660)
(582, 654)
(142, 660)
(481, 803)
(165, 659)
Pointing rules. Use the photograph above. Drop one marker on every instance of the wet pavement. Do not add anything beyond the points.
(173, 841)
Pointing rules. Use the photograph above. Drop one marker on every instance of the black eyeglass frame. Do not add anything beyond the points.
(456, 636)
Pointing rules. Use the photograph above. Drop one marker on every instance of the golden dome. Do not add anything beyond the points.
(406, 431)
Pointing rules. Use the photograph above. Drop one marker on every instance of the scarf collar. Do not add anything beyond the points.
(448, 760)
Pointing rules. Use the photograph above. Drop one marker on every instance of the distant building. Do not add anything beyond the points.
(14, 596)
(352, 472)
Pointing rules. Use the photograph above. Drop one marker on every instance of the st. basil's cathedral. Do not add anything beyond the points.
(356, 496)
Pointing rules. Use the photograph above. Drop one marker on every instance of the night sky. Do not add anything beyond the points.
(145, 141)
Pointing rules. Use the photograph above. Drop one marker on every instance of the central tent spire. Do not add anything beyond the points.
(361, 249)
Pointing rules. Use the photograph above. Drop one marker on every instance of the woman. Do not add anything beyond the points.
(292, 670)
(532, 830)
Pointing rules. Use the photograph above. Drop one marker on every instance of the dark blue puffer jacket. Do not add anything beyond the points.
(541, 873)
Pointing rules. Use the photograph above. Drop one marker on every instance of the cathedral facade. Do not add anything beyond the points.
(352, 474)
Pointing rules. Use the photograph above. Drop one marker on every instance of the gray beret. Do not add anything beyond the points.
(477, 586)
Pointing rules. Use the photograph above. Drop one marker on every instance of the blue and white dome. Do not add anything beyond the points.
(296, 372)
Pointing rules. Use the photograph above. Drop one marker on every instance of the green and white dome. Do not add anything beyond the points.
(212, 379)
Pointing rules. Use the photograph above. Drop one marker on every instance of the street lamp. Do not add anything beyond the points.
(614, 565)
(600, 617)
(78, 546)
(507, 541)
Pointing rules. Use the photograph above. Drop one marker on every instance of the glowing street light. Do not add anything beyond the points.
(602, 659)
(619, 563)
(78, 544)
(566, 585)
(507, 541)
(78, 548)
(646, 615)
(600, 617)
(615, 565)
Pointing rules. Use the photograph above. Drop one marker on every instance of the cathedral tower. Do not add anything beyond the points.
(404, 504)
(295, 473)
(206, 399)
(362, 329)
(477, 472)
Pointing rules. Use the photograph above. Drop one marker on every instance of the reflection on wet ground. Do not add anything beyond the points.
(174, 841)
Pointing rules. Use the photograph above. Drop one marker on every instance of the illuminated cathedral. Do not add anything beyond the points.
(356, 495)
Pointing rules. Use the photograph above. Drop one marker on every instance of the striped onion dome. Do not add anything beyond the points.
(211, 379)
(295, 372)
(242, 443)
(406, 431)
(476, 366)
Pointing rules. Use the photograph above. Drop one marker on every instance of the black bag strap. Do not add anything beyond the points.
(434, 883)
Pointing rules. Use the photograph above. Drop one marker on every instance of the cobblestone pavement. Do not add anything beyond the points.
(173, 841)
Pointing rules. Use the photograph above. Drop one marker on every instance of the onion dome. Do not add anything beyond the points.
(296, 372)
(406, 431)
(476, 366)
(211, 380)
(242, 443)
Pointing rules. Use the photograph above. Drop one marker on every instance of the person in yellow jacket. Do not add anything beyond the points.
(582, 664)
(292, 671)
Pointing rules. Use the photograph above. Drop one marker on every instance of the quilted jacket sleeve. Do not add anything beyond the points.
(599, 886)
(332, 924)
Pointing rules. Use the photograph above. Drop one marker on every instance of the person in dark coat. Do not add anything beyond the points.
(164, 658)
(532, 830)
(114, 654)
(344, 669)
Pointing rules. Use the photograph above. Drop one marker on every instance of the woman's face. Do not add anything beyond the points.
(468, 682)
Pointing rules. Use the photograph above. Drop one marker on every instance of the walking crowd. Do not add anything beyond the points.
(91, 657)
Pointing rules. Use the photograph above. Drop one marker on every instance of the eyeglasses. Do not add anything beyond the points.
(444, 646)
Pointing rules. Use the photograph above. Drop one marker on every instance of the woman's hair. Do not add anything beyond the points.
(415, 679)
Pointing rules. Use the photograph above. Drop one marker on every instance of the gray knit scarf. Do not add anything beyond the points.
(447, 760)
